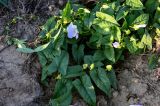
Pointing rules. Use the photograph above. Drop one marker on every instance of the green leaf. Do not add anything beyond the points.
(50, 24)
(116, 32)
(62, 93)
(101, 26)
(151, 5)
(135, 4)
(100, 30)
(59, 63)
(66, 15)
(42, 47)
(29, 50)
(57, 34)
(118, 54)
(106, 17)
(44, 73)
(95, 37)
(88, 20)
(109, 53)
(63, 63)
(113, 80)
(92, 62)
(88, 59)
(53, 67)
(98, 55)
(61, 87)
(131, 45)
(86, 89)
(74, 71)
(101, 80)
(78, 52)
(85, 20)
(141, 19)
(108, 8)
(146, 40)
(42, 58)
(152, 61)
(140, 22)
(123, 11)
(106, 40)
(157, 15)
(49, 52)
(25, 50)
(58, 41)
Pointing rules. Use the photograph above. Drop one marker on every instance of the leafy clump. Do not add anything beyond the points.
(80, 47)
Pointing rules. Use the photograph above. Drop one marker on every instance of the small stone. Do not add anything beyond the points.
(115, 94)
(135, 80)
(11, 89)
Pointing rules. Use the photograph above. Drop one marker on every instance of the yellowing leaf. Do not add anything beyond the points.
(106, 17)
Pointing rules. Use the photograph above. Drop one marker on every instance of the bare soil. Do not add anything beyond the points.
(20, 73)
(137, 84)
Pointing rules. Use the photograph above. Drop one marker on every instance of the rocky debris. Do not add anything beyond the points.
(17, 88)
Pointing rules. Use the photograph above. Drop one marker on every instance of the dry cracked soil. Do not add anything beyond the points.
(20, 73)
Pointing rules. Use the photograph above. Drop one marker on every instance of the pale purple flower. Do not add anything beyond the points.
(116, 44)
(72, 31)
(135, 105)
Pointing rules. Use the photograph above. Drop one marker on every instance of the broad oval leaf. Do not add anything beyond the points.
(63, 63)
(151, 5)
(86, 89)
(135, 4)
(78, 52)
(62, 92)
(109, 53)
(59, 63)
(101, 80)
(53, 67)
(113, 80)
(88, 59)
(74, 71)
(122, 13)
(106, 17)
(98, 55)
(66, 15)
(140, 22)
(131, 45)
